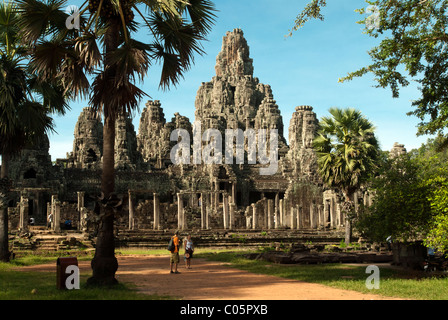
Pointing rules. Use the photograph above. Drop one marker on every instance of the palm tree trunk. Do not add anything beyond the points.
(4, 242)
(348, 206)
(105, 264)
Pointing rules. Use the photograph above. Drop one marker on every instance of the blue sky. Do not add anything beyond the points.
(302, 70)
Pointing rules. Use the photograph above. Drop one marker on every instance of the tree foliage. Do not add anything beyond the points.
(437, 236)
(410, 198)
(95, 53)
(346, 148)
(413, 47)
(401, 208)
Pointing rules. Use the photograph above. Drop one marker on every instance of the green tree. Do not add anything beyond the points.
(347, 149)
(414, 46)
(105, 48)
(25, 107)
(401, 208)
(438, 198)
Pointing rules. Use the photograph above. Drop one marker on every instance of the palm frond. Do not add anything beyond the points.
(39, 19)
(130, 61)
(125, 99)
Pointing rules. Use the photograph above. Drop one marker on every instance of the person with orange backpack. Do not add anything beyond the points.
(173, 247)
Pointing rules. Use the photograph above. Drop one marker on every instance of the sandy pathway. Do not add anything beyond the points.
(209, 280)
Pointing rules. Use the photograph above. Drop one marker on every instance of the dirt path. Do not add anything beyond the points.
(209, 280)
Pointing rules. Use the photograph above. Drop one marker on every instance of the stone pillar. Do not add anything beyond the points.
(234, 192)
(225, 210)
(80, 200)
(312, 217)
(293, 218)
(23, 222)
(320, 210)
(131, 212)
(270, 214)
(49, 210)
(180, 212)
(280, 212)
(216, 196)
(254, 216)
(339, 213)
(207, 210)
(232, 208)
(265, 213)
(57, 216)
(83, 220)
(299, 212)
(276, 211)
(248, 215)
(156, 211)
(203, 211)
(54, 199)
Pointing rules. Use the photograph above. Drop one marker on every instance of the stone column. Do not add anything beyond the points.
(312, 217)
(49, 210)
(299, 213)
(265, 213)
(339, 214)
(270, 213)
(320, 209)
(280, 212)
(57, 216)
(83, 220)
(207, 210)
(293, 218)
(216, 196)
(131, 212)
(276, 211)
(233, 192)
(225, 210)
(23, 222)
(203, 213)
(156, 211)
(80, 200)
(180, 212)
(248, 215)
(54, 199)
(232, 216)
(254, 216)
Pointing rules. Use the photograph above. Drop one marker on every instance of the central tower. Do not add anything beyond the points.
(234, 98)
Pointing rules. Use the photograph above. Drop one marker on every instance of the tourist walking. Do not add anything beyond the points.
(174, 259)
(189, 249)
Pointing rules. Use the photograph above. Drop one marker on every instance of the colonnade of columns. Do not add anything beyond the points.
(209, 202)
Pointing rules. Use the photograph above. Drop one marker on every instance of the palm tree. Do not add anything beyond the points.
(105, 49)
(25, 105)
(346, 148)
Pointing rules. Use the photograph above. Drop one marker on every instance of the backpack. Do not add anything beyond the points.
(171, 245)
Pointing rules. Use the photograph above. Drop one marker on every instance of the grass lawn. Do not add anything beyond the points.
(393, 282)
(20, 285)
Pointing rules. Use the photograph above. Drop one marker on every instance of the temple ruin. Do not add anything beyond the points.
(159, 195)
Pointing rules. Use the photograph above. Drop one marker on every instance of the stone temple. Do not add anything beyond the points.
(159, 195)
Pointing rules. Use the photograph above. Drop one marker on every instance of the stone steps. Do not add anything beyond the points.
(225, 238)
(45, 240)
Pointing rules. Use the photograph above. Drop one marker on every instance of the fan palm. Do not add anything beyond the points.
(105, 49)
(25, 105)
(346, 149)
